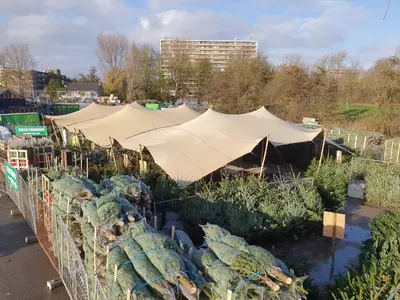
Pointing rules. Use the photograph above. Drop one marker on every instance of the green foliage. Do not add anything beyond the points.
(162, 187)
(382, 182)
(379, 271)
(252, 207)
(331, 181)
(90, 77)
(53, 86)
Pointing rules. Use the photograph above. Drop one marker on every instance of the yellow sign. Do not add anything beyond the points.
(334, 225)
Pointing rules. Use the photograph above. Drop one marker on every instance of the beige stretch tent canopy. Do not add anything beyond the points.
(133, 119)
(190, 151)
(91, 112)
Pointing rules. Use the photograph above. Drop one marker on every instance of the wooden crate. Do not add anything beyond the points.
(19, 159)
(42, 156)
(3, 146)
(46, 189)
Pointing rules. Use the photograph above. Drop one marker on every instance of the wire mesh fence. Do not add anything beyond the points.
(368, 144)
(99, 293)
(71, 268)
(53, 235)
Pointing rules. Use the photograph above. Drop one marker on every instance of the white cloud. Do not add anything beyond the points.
(203, 24)
(30, 28)
(63, 33)
(80, 21)
(163, 4)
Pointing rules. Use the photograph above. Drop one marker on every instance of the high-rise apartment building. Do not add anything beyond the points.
(219, 52)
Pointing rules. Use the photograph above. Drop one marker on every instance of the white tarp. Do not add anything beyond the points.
(91, 112)
(133, 119)
(190, 151)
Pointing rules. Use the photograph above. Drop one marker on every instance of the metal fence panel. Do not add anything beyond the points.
(24, 201)
(99, 293)
(72, 270)
(55, 239)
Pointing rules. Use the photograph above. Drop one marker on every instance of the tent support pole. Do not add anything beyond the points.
(141, 163)
(79, 142)
(322, 152)
(113, 154)
(55, 132)
(264, 157)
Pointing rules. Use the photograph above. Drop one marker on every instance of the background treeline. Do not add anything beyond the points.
(292, 90)
(325, 89)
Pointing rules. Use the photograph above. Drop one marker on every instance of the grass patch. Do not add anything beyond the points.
(355, 112)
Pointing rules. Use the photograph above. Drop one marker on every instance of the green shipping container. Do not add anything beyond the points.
(27, 119)
(153, 106)
(63, 108)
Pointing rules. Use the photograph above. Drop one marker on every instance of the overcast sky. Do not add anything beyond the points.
(62, 33)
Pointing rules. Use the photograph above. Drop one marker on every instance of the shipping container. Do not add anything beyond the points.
(27, 119)
(6, 103)
(64, 108)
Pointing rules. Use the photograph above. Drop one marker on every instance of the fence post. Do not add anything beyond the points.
(384, 153)
(398, 153)
(348, 138)
(365, 143)
(173, 232)
(391, 151)
(355, 142)
(339, 156)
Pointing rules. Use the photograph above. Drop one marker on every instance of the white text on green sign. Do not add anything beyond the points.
(12, 176)
(31, 130)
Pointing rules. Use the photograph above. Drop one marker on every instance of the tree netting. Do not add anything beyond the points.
(251, 264)
(131, 188)
(130, 257)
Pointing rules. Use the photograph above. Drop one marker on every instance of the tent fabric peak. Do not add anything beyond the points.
(190, 151)
(133, 119)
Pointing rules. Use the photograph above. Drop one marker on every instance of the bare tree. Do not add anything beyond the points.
(111, 51)
(141, 70)
(149, 61)
(2, 65)
(203, 73)
(293, 60)
(132, 71)
(237, 89)
(18, 61)
(176, 61)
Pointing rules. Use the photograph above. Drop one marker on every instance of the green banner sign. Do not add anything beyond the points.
(12, 176)
(31, 130)
(153, 106)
